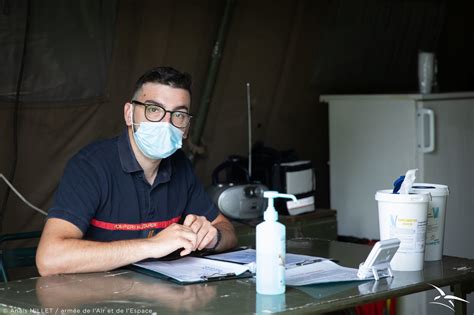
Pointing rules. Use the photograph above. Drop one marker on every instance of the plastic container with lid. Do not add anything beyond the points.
(436, 218)
(404, 216)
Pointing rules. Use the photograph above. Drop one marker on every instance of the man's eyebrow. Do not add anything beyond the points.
(177, 108)
(153, 103)
(181, 108)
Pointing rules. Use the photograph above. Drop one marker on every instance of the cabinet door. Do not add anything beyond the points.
(452, 164)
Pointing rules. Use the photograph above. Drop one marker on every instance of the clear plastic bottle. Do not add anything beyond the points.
(271, 249)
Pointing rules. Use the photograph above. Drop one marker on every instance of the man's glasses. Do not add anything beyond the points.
(154, 112)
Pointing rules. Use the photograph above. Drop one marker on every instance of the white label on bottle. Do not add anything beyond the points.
(432, 230)
(411, 233)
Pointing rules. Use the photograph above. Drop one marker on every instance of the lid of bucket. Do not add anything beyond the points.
(436, 190)
(388, 195)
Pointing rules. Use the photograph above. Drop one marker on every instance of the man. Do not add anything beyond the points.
(135, 196)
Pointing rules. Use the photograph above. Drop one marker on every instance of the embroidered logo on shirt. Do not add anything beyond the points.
(133, 227)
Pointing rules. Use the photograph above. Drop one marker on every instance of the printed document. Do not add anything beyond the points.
(321, 272)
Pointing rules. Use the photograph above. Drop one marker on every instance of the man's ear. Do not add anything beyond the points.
(186, 133)
(127, 113)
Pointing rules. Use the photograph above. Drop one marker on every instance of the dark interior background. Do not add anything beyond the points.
(69, 67)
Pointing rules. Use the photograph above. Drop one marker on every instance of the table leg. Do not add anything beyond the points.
(460, 307)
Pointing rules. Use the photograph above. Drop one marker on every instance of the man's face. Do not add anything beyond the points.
(171, 99)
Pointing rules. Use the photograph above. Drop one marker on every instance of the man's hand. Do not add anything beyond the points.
(205, 231)
(172, 238)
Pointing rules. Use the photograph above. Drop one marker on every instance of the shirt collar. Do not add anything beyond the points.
(131, 165)
(127, 158)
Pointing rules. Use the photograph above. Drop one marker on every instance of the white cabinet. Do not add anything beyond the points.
(376, 138)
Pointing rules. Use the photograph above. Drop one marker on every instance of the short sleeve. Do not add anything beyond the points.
(78, 194)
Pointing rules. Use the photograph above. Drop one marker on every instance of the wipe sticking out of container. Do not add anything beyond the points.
(410, 177)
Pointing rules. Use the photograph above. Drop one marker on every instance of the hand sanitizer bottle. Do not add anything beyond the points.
(271, 249)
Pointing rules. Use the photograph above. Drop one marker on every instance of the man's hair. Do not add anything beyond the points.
(166, 76)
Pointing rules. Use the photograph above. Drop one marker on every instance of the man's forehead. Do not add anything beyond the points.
(154, 86)
(163, 94)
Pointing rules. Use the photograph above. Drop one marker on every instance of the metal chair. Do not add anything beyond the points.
(16, 257)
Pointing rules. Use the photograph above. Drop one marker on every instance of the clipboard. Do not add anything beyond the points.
(158, 275)
(191, 270)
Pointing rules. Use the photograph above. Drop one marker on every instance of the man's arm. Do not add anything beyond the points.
(207, 232)
(229, 239)
(62, 249)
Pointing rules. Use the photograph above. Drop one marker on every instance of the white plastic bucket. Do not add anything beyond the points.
(404, 217)
(436, 218)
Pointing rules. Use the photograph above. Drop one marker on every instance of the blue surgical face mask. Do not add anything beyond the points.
(157, 140)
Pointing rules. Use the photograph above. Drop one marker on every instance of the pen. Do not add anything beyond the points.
(308, 262)
(312, 261)
(218, 276)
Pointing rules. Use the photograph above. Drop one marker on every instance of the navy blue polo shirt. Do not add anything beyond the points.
(105, 194)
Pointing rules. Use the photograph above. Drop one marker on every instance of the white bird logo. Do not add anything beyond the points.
(446, 297)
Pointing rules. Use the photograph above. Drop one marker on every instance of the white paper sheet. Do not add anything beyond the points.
(321, 272)
(193, 269)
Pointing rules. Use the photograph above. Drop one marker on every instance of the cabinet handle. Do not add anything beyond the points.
(428, 113)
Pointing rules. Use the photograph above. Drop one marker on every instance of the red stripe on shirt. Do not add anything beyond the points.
(133, 227)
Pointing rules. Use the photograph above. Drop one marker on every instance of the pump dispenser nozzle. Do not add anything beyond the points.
(270, 213)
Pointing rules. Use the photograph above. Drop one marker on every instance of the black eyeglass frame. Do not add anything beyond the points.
(165, 110)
